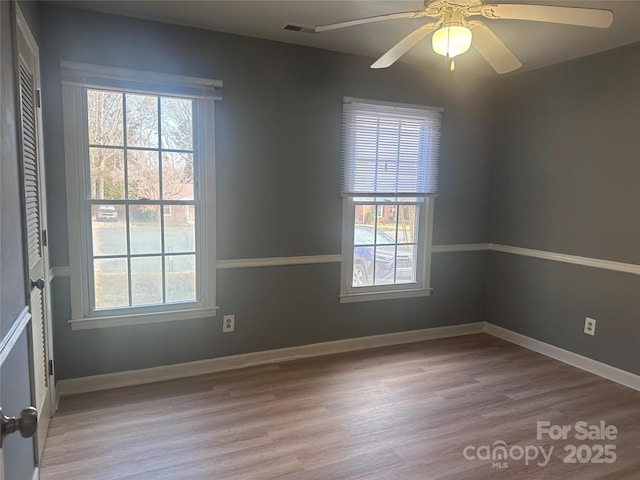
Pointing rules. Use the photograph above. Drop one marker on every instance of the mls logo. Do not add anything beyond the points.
(499, 465)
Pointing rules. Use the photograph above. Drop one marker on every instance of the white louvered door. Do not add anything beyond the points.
(34, 225)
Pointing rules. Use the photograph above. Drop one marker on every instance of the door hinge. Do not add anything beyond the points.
(44, 238)
(38, 98)
(51, 368)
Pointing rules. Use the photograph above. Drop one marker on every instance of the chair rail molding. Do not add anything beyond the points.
(632, 268)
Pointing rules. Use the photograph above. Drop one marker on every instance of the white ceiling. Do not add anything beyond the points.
(536, 44)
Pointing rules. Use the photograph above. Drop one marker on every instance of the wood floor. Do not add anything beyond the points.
(393, 413)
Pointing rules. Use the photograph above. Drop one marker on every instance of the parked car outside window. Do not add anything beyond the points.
(386, 258)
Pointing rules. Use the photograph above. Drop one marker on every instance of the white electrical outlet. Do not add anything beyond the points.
(228, 323)
(589, 326)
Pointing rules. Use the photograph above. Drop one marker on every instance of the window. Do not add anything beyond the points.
(389, 179)
(140, 175)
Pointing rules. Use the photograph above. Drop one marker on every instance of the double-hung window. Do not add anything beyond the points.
(140, 168)
(389, 179)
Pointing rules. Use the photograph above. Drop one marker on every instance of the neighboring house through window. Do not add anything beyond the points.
(389, 179)
(140, 173)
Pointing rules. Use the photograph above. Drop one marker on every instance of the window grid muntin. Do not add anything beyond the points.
(160, 203)
(163, 279)
(418, 203)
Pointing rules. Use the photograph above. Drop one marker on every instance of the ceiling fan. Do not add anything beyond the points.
(453, 31)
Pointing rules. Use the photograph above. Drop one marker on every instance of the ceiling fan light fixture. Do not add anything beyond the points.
(450, 41)
(451, 28)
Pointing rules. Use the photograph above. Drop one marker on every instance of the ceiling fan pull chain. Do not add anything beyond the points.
(451, 65)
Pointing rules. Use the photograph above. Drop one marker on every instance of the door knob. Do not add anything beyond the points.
(39, 284)
(26, 423)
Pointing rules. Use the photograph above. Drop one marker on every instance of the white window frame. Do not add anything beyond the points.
(76, 79)
(422, 286)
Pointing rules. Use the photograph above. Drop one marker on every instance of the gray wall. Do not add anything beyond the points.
(542, 160)
(278, 156)
(567, 180)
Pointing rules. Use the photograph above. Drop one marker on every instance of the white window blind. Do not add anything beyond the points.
(390, 149)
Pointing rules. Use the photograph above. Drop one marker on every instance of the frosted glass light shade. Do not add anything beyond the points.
(451, 41)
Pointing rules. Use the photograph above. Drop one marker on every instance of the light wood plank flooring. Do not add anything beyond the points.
(394, 413)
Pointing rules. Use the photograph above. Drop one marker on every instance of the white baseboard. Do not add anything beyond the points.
(201, 367)
(36, 473)
(592, 366)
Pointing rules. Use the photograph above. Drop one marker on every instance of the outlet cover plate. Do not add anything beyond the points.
(589, 326)
(228, 323)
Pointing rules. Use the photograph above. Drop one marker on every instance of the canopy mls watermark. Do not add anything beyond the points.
(597, 446)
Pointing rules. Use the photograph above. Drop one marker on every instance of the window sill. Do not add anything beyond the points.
(389, 295)
(142, 318)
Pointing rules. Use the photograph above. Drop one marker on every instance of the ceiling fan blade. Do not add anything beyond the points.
(377, 18)
(492, 49)
(404, 45)
(586, 17)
